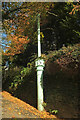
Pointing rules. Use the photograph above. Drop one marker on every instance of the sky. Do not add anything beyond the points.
(4, 41)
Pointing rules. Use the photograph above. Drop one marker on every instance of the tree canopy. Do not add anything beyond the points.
(58, 26)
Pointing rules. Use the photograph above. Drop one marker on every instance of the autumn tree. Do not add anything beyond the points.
(58, 27)
(20, 24)
(19, 21)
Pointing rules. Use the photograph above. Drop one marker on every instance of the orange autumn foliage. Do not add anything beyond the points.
(16, 45)
(75, 8)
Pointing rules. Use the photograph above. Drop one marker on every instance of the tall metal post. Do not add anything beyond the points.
(39, 65)
(39, 44)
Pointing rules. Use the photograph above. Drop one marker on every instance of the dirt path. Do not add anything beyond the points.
(13, 107)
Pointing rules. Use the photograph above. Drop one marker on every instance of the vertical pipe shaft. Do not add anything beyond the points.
(39, 74)
(39, 44)
(40, 90)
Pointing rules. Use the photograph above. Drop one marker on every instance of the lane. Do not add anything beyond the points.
(13, 107)
(13, 110)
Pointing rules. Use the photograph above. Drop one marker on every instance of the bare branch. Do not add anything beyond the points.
(52, 13)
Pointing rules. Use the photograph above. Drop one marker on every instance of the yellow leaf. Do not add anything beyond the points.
(19, 113)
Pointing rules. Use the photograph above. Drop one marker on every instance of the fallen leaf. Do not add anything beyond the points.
(19, 113)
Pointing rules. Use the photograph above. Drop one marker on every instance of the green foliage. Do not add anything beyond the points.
(17, 75)
(65, 27)
(53, 111)
(27, 70)
(18, 79)
(50, 110)
(44, 104)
